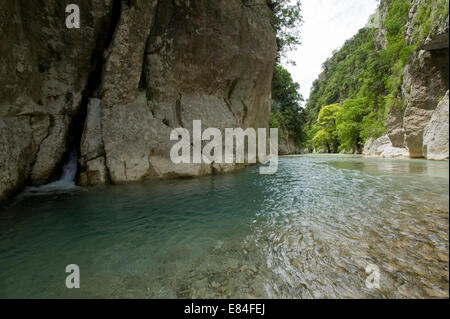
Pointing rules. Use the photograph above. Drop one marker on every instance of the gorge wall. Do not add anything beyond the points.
(288, 146)
(114, 89)
(387, 82)
(419, 127)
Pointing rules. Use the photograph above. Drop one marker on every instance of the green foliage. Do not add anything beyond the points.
(396, 18)
(286, 105)
(311, 131)
(397, 52)
(287, 20)
(286, 108)
(355, 70)
(284, 90)
(345, 127)
(429, 12)
(328, 115)
(366, 79)
(327, 136)
(371, 127)
(277, 120)
(322, 138)
(350, 123)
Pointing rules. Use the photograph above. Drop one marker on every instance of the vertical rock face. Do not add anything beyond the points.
(394, 127)
(150, 65)
(92, 150)
(383, 147)
(428, 83)
(436, 134)
(195, 60)
(425, 81)
(287, 145)
(44, 69)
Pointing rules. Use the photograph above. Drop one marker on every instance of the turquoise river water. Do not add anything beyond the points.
(308, 231)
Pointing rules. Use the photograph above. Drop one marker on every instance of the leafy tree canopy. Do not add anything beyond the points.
(287, 20)
(286, 104)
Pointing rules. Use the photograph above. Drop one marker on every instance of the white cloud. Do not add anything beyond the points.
(328, 23)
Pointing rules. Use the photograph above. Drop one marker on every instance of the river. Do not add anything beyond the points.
(308, 231)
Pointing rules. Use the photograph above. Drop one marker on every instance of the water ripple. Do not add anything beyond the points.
(307, 232)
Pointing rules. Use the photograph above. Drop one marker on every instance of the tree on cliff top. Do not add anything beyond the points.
(287, 20)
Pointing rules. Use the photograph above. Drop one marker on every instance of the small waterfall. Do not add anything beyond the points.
(65, 184)
(70, 169)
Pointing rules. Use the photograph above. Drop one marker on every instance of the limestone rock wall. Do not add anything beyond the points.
(194, 60)
(44, 69)
(425, 82)
(384, 148)
(436, 133)
(287, 145)
(116, 87)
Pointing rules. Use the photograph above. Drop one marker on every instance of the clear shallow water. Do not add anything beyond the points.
(307, 232)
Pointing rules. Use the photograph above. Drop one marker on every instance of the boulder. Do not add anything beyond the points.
(374, 147)
(390, 151)
(383, 147)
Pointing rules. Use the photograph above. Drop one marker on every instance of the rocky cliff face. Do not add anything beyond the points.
(288, 146)
(116, 87)
(45, 68)
(425, 83)
(436, 133)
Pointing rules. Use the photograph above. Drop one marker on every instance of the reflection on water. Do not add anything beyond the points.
(307, 232)
(396, 166)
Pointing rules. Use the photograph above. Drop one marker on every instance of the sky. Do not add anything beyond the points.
(327, 25)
